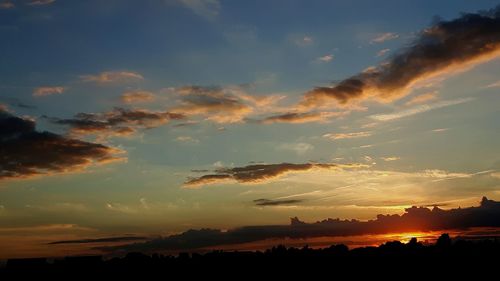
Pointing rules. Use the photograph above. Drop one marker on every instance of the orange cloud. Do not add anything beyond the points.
(423, 98)
(446, 48)
(137, 96)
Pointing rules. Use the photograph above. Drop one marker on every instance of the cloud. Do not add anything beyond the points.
(419, 109)
(423, 98)
(113, 77)
(209, 9)
(25, 152)
(117, 122)
(137, 96)
(340, 136)
(219, 105)
(382, 37)
(47, 91)
(439, 130)
(301, 117)
(41, 2)
(187, 139)
(269, 202)
(260, 173)
(299, 148)
(304, 41)
(7, 5)
(382, 52)
(493, 85)
(445, 48)
(414, 219)
(118, 207)
(389, 159)
(100, 240)
(325, 58)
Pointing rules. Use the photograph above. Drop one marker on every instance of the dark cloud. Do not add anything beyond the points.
(117, 122)
(269, 202)
(445, 47)
(259, 172)
(100, 240)
(25, 152)
(414, 219)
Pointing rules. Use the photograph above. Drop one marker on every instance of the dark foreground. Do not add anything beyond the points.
(446, 258)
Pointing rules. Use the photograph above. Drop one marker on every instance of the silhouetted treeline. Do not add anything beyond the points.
(445, 258)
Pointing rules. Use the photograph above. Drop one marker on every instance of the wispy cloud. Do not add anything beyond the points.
(208, 9)
(382, 37)
(299, 148)
(47, 91)
(390, 158)
(419, 109)
(325, 58)
(304, 41)
(382, 52)
(7, 5)
(41, 2)
(113, 77)
(137, 96)
(339, 136)
(439, 130)
(493, 85)
(423, 98)
(187, 139)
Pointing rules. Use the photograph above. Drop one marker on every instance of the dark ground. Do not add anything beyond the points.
(472, 259)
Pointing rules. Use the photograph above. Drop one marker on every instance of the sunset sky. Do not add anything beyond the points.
(149, 118)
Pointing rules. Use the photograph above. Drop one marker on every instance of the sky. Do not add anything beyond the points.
(149, 118)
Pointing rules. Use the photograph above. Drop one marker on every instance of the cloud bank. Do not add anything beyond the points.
(414, 219)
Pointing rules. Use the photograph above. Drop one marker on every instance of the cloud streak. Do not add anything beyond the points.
(108, 77)
(340, 136)
(301, 117)
(47, 91)
(270, 202)
(418, 109)
(384, 37)
(260, 173)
